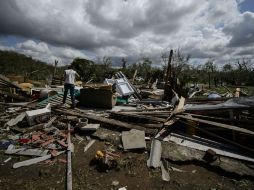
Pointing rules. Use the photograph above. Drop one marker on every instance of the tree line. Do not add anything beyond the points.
(12, 63)
(239, 72)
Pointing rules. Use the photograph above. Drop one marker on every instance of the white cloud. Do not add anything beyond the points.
(40, 47)
(41, 51)
(64, 29)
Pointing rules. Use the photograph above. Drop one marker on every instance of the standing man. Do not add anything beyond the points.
(69, 84)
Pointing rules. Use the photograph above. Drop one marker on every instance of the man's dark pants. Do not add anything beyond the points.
(71, 88)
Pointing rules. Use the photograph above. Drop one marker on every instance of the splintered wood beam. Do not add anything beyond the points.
(221, 125)
(179, 109)
(111, 122)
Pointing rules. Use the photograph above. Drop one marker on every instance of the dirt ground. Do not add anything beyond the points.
(131, 173)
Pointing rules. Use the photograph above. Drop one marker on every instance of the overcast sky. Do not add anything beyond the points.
(222, 30)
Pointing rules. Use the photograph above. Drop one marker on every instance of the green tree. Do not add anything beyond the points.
(228, 74)
(85, 68)
(210, 69)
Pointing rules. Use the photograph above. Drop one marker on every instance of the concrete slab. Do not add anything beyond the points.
(107, 135)
(133, 139)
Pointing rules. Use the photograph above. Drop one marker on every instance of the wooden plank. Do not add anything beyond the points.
(152, 126)
(221, 125)
(206, 100)
(144, 112)
(112, 122)
(34, 160)
(149, 109)
(27, 152)
(158, 114)
(89, 145)
(149, 118)
(208, 117)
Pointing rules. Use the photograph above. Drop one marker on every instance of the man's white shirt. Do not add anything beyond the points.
(70, 76)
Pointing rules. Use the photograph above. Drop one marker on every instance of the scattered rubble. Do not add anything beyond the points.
(218, 135)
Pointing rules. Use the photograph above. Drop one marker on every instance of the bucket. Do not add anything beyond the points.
(82, 122)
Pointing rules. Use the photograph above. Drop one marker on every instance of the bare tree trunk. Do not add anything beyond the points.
(209, 79)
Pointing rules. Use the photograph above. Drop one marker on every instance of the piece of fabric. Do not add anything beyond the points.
(70, 76)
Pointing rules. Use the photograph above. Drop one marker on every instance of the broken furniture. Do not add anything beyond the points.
(97, 96)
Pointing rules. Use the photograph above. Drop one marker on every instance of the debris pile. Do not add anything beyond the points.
(217, 134)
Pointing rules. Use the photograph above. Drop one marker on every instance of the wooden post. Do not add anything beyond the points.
(134, 76)
(168, 81)
(169, 68)
(69, 172)
(56, 62)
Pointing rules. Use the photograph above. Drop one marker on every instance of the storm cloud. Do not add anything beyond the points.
(65, 29)
(242, 31)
